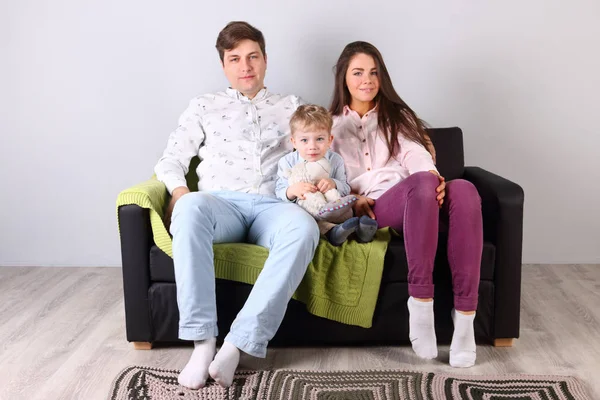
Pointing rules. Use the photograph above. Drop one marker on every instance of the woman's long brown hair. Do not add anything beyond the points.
(394, 116)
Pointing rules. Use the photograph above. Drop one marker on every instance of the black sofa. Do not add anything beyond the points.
(151, 313)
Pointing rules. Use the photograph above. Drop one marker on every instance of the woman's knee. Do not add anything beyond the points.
(463, 192)
(423, 185)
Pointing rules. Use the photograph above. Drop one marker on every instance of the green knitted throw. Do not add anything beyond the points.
(341, 283)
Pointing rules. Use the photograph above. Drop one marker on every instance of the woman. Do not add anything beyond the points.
(384, 146)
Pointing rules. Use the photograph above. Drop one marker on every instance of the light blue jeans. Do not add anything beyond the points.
(203, 218)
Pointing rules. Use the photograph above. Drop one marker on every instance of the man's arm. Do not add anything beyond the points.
(182, 146)
(282, 183)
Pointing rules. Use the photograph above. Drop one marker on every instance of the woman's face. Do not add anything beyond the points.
(362, 78)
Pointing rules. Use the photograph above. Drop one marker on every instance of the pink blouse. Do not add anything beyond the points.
(365, 153)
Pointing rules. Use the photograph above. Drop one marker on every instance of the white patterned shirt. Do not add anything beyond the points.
(239, 142)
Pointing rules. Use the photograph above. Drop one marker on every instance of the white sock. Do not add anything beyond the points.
(195, 373)
(463, 349)
(421, 328)
(224, 365)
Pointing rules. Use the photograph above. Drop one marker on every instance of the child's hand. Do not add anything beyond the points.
(297, 190)
(326, 184)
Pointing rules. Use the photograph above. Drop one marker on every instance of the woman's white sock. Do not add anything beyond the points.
(422, 329)
(463, 351)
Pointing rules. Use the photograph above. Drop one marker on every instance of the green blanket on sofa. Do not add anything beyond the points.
(341, 283)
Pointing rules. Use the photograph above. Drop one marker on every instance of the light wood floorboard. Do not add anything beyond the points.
(62, 335)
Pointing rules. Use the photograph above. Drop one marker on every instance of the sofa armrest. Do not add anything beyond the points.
(136, 240)
(502, 208)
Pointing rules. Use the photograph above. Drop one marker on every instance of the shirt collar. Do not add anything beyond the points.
(348, 111)
(262, 93)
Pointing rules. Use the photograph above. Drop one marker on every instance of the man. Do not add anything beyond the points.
(239, 135)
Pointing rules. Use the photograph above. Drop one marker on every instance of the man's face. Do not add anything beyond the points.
(312, 144)
(245, 67)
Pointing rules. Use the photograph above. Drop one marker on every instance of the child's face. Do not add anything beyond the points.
(312, 144)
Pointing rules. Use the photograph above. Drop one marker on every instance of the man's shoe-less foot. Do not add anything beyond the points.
(195, 373)
(222, 369)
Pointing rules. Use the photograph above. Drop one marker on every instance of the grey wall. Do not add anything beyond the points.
(89, 91)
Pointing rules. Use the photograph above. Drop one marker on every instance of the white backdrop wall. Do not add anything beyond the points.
(90, 90)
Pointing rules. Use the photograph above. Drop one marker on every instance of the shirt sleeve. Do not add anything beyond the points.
(282, 184)
(338, 174)
(182, 146)
(298, 101)
(414, 157)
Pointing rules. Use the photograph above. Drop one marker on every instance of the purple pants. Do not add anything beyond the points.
(411, 207)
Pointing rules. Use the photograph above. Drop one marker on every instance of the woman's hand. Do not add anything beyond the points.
(441, 189)
(363, 206)
(297, 190)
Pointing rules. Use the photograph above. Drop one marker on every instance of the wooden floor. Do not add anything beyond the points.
(62, 335)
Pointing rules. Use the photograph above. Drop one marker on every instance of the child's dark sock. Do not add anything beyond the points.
(339, 233)
(367, 227)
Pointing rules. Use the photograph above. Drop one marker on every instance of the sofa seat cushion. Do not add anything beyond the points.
(395, 268)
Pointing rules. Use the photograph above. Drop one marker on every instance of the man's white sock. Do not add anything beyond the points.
(222, 369)
(195, 373)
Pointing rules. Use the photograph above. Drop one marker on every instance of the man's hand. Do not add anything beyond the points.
(326, 184)
(178, 192)
(297, 190)
(441, 189)
(363, 206)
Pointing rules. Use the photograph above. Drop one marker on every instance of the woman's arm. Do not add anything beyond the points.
(415, 158)
(430, 147)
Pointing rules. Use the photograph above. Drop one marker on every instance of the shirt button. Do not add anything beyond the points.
(366, 154)
(368, 169)
(364, 140)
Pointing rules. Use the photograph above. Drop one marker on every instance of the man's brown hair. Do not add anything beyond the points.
(234, 33)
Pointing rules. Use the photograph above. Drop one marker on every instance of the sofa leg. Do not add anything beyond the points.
(504, 342)
(142, 345)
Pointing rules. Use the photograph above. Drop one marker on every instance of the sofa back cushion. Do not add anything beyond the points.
(448, 144)
(450, 156)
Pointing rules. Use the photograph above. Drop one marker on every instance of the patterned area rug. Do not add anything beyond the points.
(137, 383)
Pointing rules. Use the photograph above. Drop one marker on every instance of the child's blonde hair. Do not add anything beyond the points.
(311, 116)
